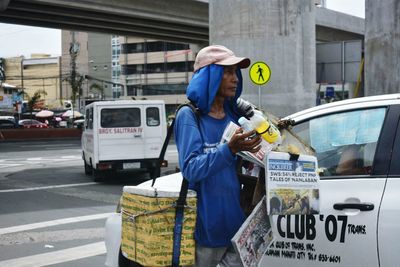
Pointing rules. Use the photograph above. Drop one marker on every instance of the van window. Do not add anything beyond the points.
(344, 142)
(152, 116)
(87, 119)
(120, 117)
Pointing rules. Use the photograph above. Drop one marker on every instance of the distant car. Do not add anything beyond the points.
(10, 118)
(357, 145)
(79, 123)
(8, 124)
(32, 124)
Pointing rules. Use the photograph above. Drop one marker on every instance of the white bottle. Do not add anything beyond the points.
(245, 124)
(248, 127)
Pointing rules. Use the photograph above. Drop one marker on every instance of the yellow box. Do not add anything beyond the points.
(148, 219)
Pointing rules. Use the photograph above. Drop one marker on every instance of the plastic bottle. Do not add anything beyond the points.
(246, 125)
(259, 123)
(264, 128)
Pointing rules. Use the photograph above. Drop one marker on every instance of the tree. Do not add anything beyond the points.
(2, 69)
(76, 81)
(33, 100)
(97, 87)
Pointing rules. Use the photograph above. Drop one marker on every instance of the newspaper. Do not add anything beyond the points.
(258, 157)
(254, 236)
(292, 185)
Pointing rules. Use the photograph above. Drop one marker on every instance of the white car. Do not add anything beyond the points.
(357, 144)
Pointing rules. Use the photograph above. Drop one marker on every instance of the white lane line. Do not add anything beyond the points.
(31, 226)
(44, 187)
(71, 157)
(48, 145)
(58, 256)
(35, 159)
(51, 237)
(4, 165)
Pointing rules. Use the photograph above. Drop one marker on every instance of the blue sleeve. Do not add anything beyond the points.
(196, 165)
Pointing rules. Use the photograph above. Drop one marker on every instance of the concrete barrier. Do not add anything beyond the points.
(29, 134)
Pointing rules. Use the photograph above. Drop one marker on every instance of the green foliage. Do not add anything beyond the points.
(2, 69)
(76, 80)
(96, 86)
(34, 99)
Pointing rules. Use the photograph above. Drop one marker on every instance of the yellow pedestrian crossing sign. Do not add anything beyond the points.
(260, 73)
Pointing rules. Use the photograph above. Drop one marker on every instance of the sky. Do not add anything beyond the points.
(19, 40)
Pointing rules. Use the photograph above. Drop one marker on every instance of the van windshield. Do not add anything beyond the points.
(121, 117)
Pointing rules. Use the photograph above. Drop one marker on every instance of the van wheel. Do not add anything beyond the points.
(154, 172)
(124, 262)
(88, 168)
(97, 175)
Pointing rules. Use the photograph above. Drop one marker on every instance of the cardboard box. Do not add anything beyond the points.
(148, 219)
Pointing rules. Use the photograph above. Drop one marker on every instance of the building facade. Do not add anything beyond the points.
(121, 67)
(155, 69)
(40, 72)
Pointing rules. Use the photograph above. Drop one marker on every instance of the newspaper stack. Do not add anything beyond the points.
(254, 236)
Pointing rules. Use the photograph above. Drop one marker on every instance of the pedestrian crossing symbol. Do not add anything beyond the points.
(260, 73)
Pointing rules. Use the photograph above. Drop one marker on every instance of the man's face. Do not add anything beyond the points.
(229, 82)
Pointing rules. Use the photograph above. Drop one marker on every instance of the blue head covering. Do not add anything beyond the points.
(204, 86)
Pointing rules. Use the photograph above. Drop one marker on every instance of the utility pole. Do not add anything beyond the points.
(75, 85)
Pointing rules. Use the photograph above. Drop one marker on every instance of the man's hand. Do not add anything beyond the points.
(240, 141)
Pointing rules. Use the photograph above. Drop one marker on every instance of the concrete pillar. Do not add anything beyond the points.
(280, 33)
(382, 47)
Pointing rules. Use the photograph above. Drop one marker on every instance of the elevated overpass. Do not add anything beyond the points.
(174, 20)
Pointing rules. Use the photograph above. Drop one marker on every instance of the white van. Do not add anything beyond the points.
(123, 135)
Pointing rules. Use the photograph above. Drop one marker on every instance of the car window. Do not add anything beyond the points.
(345, 143)
(152, 116)
(7, 123)
(121, 117)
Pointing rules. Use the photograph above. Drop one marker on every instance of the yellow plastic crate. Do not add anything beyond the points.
(148, 219)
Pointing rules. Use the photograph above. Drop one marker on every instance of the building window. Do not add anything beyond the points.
(156, 46)
(164, 89)
(131, 90)
(158, 68)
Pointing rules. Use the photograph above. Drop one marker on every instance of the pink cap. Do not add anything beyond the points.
(219, 55)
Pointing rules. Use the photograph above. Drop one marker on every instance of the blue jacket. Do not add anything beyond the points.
(209, 166)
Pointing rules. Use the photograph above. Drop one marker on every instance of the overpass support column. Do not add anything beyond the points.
(280, 33)
(382, 47)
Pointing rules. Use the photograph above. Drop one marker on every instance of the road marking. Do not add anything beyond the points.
(49, 237)
(44, 187)
(31, 226)
(48, 145)
(35, 159)
(4, 165)
(58, 256)
(71, 157)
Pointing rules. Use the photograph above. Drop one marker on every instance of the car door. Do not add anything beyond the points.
(352, 184)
